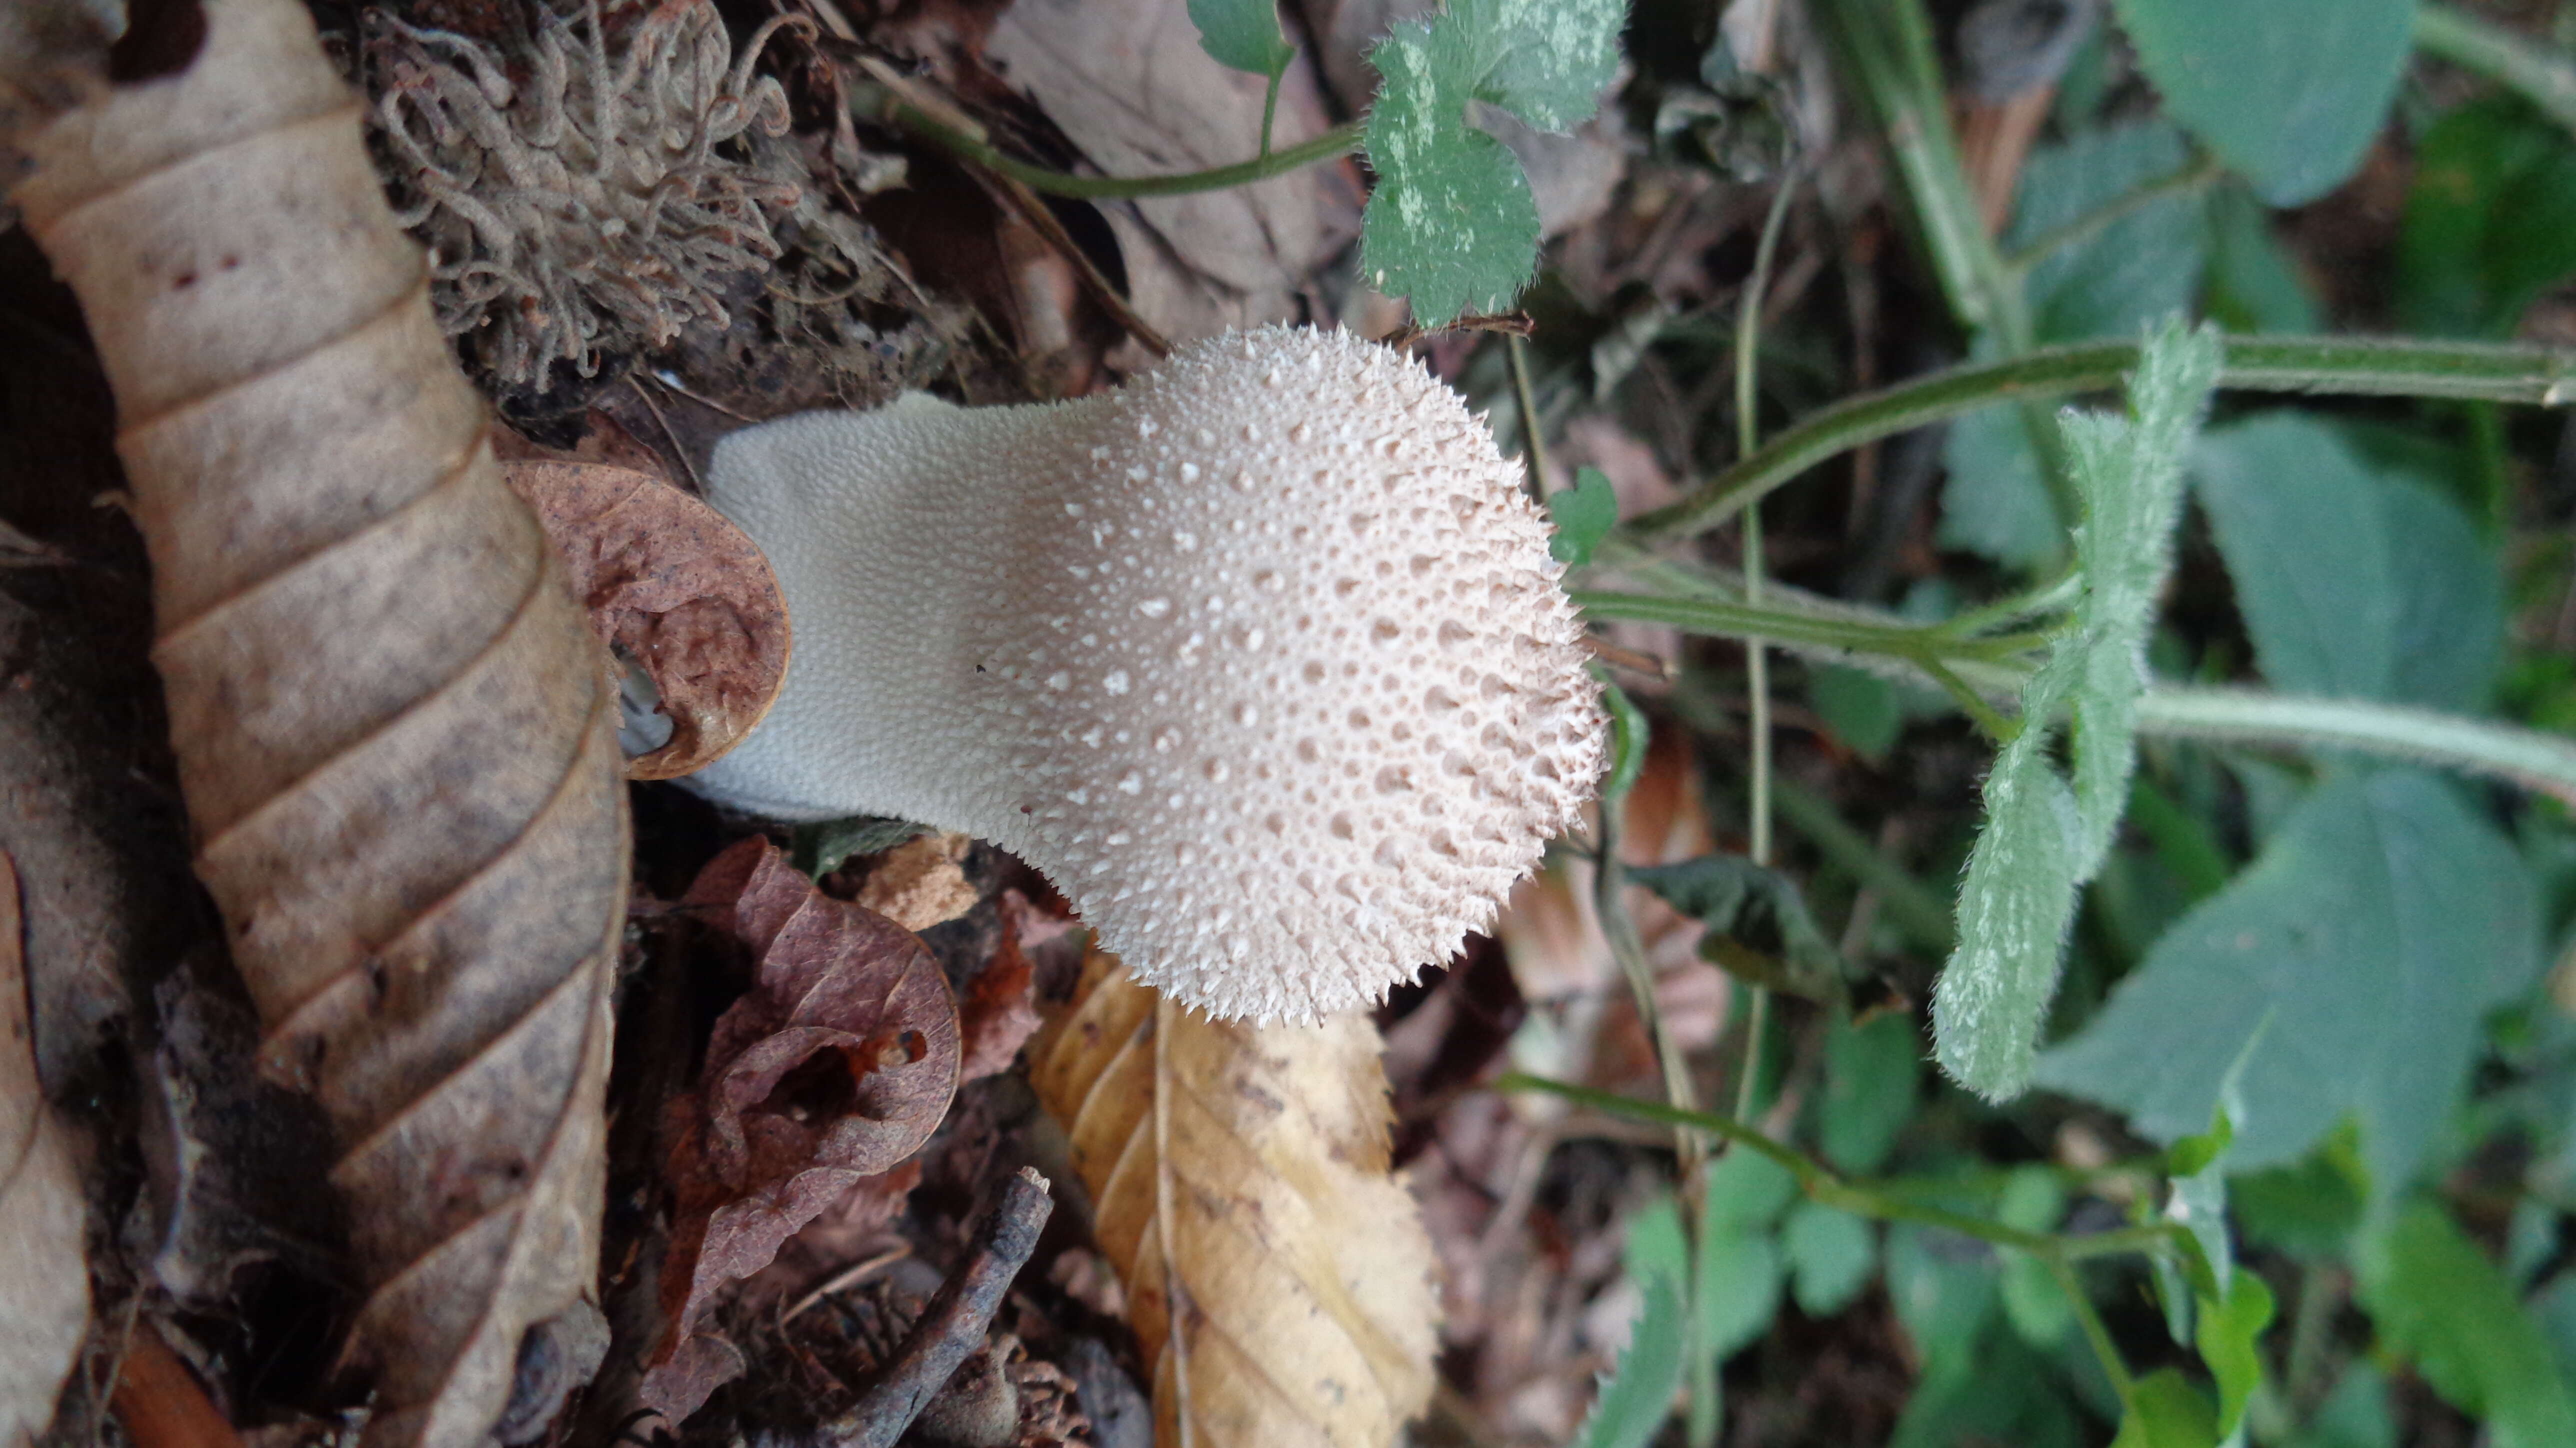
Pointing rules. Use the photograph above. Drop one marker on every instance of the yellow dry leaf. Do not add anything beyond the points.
(1307, 1293)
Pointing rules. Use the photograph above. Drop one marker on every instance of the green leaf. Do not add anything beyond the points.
(2141, 267)
(1583, 515)
(1637, 1394)
(2490, 220)
(2040, 840)
(1739, 1289)
(1551, 59)
(824, 846)
(1243, 35)
(1630, 732)
(2034, 1303)
(1861, 708)
(1745, 1189)
(2016, 903)
(1656, 1245)
(1831, 1254)
(2354, 1415)
(2166, 1411)
(2228, 1330)
(2310, 1208)
(1758, 925)
(1452, 224)
(2363, 946)
(2128, 474)
(2288, 92)
(1873, 1081)
(2354, 578)
(1942, 1286)
(2254, 282)
(2435, 1295)
(1995, 501)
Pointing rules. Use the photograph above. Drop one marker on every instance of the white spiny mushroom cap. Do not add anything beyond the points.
(1260, 658)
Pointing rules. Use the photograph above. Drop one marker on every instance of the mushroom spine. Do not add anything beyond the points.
(1260, 658)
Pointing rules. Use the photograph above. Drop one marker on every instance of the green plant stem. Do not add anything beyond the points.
(1972, 668)
(2078, 230)
(2543, 763)
(2510, 60)
(1269, 111)
(2323, 365)
(1885, 1201)
(1533, 442)
(1913, 643)
(1339, 141)
(1757, 654)
(2095, 1332)
(1619, 929)
(1889, 47)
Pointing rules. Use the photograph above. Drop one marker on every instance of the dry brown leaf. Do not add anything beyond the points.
(393, 728)
(676, 587)
(921, 882)
(1128, 82)
(836, 1066)
(1000, 1012)
(1307, 1296)
(41, 1212)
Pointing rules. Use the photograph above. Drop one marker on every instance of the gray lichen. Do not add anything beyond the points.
(581, 196)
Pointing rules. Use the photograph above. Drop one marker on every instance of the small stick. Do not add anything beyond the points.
(1629, 659)
(953, 1322)
(847, 1280)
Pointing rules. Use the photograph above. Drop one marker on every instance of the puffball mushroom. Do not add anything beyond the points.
(1260, 658)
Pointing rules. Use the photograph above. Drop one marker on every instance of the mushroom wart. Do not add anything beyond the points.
(1260, 658)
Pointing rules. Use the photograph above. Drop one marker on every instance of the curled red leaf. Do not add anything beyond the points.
(837, 1065)
(676, 587)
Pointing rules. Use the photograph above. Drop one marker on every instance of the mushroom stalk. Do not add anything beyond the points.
(1261, 658)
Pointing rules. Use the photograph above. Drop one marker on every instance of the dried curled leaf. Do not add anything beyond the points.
(836, 1066)
(1307, 1302)
(677, 588)
(393, 730)
(41, 1211)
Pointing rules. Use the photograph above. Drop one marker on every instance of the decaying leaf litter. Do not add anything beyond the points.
(651, 225)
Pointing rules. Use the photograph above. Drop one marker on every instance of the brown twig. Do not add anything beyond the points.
(1509, 324)
(1630, 659)
(952, 1325)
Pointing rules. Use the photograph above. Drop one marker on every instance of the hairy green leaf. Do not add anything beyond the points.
(1243, 34)
(1452, 224)
(2128, 473)
(2016, 902)
(2041, 840)
(2288, 92)
(2347, 968)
